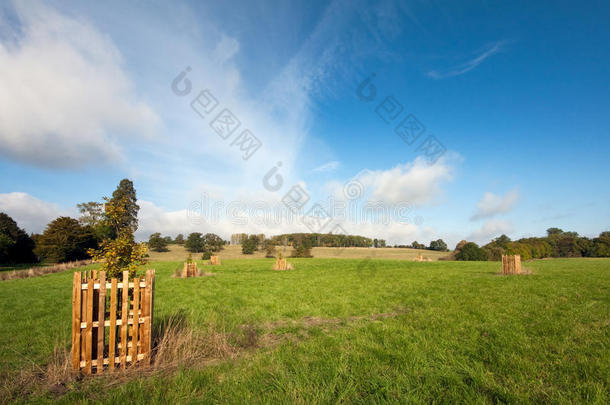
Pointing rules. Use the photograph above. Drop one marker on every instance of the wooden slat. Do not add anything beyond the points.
(89, 329)
(143, 330)
(101, 329)
(96, 286)
(124, 315)
(83, 312)
(107, 361)
(113, 309)
(136, 317)
(150, 298)
(76, 315)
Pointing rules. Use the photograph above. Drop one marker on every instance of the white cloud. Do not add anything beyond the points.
(489, 230)
(327, 167)
(65, 97)
(492, 204)
(415, 183)
(29, 212)
(467, 66)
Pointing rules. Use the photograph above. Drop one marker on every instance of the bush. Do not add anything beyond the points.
(206, 255)
(472, 252)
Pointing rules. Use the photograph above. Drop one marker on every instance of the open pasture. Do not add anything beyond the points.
(344, 330)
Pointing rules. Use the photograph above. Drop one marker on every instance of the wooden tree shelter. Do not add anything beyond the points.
(511, 264)
(215, 260)
(111, 321)
(190, 269)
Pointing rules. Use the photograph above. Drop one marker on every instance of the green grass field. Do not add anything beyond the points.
(336, 330)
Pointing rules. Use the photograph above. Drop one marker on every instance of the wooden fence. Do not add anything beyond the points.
(511, 264)
(214, 260)
(190, 269)
(111, 321)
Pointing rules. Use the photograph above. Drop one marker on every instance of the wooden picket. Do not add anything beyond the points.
(214, 260)
(511, 264)
(96, 303)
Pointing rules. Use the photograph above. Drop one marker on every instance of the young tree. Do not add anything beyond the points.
(156, 243)
(194, 243)
(179, 239)
(121, 252)
(15, 244)
(65, 240)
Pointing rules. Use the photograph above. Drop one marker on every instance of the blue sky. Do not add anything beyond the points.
(516, 92)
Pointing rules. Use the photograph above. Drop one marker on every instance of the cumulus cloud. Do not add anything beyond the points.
(492, 204)
(489, 230)
(29, 212)
(65, 96)
(416, 182)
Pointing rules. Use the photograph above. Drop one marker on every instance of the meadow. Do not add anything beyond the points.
(341, 330)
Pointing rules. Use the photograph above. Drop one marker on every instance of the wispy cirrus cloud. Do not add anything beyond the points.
(467, 66)
(327, 167)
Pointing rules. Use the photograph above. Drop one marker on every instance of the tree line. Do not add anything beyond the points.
(557, 243)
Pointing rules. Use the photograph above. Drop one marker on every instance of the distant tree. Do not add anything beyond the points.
(168, 240)
(249, 245)
(212, 242)
(471, 251)
(502, 241)
(92, 213)
(270, 248)
(64, 240)
(438, 245)
(460, 245)
(301, 247)
(156, 243)
(179, 239)
(417, 245)
(194, 242)
(382, 243)
(553, 231)
(15, 244)
(375, 243)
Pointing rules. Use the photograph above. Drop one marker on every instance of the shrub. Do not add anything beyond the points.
(206, 255)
